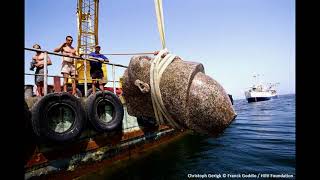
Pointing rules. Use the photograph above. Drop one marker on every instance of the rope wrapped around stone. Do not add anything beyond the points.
(158, 65)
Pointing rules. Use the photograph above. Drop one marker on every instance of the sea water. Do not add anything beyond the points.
(260, 143)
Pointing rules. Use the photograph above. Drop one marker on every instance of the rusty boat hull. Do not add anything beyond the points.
(93, 150)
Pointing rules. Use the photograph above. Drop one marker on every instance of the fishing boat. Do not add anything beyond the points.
(69, 146)
(261, 92)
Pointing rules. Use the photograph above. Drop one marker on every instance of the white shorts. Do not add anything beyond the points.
(68, 68)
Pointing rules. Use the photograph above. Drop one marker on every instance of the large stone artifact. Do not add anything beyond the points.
(193, 100)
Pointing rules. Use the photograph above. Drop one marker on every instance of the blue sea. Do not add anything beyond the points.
(260, 143)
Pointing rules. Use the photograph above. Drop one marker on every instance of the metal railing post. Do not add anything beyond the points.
(114, 79)
(85, 78)
(45, 74)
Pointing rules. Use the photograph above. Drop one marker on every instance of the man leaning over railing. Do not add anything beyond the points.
(96, 69)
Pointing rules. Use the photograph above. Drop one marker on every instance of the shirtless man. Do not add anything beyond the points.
(68, 68)
(38, 63)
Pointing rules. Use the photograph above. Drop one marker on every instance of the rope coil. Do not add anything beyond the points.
(158, 65)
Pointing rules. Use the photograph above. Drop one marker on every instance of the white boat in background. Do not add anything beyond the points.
(261, 92)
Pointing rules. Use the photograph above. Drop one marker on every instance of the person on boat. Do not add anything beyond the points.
(38, 63)
(68, 65)
(96, 69)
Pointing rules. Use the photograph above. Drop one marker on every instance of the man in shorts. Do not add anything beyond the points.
(96, 69)
(68, 66)
(38, 62)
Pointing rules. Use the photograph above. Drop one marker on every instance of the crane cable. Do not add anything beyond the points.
(158, 65)
(160, 21)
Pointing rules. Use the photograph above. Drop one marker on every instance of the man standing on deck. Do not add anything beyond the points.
(68, 66)
(38, 62)
(96, 69)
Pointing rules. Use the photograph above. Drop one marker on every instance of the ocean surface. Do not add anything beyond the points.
(260, 143)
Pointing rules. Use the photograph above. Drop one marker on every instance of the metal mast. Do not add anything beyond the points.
(87, 21)
(87, 13)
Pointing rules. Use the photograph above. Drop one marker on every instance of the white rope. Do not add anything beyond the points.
(160, 21)
(158, 65)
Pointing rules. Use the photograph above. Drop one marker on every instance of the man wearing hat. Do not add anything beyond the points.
(96, 68)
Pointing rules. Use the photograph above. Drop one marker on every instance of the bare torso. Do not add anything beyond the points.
(68, 50)
(38, 58)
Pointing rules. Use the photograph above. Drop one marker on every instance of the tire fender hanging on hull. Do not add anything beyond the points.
(105, 111)
(59, 117)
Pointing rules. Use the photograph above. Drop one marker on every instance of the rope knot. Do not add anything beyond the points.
(158, 65)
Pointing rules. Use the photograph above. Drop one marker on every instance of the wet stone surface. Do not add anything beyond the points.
(193, 99)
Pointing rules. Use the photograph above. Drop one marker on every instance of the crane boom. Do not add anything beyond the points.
(87, 22)
(87, 18)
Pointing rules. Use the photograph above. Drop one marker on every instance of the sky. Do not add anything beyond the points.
(233, 39)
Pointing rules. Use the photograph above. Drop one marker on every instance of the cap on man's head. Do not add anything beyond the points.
(97, 46)
(36, 46)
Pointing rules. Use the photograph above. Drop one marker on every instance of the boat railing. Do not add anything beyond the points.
(81, 58)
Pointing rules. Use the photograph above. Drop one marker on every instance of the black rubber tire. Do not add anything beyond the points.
(78, 92)
(89, 92)
(41, 109)
(92, 111)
